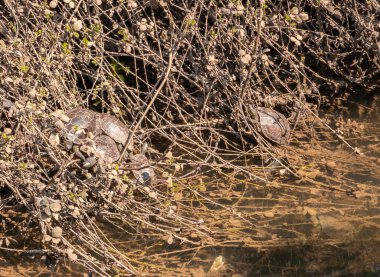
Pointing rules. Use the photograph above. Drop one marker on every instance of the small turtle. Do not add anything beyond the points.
(272, 124)
(142, 169)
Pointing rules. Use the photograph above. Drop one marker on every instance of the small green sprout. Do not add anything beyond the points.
(213, 34)
(191, 22)
(76, 128)
(66, 48)
(123, 33)
(24, 68)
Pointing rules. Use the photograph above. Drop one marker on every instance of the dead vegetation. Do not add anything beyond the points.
(183, 76)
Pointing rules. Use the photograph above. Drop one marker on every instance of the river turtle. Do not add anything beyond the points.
(271, 124)
(81, 122)
(113, 128)
(107, 132)
(142, 169)
(106, 148)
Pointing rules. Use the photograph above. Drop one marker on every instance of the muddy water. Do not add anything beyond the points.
(334, 232)
(326, 223)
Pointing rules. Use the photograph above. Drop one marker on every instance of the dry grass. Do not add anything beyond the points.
(181, 75)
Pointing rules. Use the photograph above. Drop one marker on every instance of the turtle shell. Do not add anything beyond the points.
(81, 122)
(273, 125)
(106, 148)
(113, 128)
(144, 172)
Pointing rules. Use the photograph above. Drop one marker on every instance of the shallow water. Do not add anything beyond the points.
(302, 229)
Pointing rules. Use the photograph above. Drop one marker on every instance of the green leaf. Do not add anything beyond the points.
(120, 70)
(191, 22)
(39, 33)
(65, 48)
(24, 68)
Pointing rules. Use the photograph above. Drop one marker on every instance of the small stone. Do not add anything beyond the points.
(71, 4)
(47, 238)
(98, 2)
(57, 232)
(298, 37)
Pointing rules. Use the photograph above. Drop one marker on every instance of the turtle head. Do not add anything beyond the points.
(69, 144)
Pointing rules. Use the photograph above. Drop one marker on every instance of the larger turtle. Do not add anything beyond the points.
(107, 131)
(271, 124)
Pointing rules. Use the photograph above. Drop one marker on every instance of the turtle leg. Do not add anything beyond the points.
(78, 153)
(89, 162)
